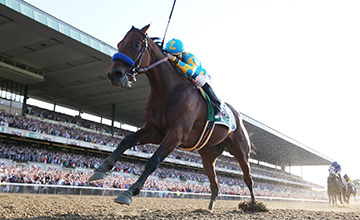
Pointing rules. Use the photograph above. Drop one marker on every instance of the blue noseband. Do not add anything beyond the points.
(124, 58)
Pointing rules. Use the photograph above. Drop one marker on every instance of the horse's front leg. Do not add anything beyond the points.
(142, 136)
(340, 199)
(168, 145)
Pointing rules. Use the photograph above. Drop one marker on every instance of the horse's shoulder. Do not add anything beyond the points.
(185, 92)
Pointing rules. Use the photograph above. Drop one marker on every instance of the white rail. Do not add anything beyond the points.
(107, 191)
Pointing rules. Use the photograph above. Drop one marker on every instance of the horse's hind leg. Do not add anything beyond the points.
(241, 151)
(209, 156)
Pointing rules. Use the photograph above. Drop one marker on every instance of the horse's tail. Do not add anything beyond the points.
(241, 125)
(253, 148)
(252, 145)
(355, 191)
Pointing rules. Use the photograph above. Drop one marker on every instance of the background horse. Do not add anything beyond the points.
(351, 190)
(334, 189)
(175, 115)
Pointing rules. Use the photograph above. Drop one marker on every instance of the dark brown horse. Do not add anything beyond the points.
(175, 116)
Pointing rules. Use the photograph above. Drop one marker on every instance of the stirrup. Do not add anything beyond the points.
(222, 107)
(220, 111)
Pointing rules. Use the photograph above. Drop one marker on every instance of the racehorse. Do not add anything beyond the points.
(351, 190)
(334, 189)
(175, 115)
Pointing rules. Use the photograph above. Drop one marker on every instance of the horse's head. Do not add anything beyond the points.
(133, 53)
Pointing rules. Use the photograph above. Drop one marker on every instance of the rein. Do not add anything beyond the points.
(153, 65)
(135, 64)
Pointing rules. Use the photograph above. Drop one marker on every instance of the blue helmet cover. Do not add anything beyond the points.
(175, 46)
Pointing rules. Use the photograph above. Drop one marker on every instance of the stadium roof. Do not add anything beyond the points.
(65, 66)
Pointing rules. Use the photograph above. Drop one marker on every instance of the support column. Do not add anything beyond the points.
(283, 168)
(112, 119)
(24, 107)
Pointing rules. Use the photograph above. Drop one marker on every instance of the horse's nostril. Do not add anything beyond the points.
(109, 75)
(115, 73)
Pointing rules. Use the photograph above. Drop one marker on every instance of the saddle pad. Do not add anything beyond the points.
(227, 118)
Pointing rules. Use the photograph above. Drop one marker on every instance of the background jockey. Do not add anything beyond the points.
(190, 65)
(347, 178)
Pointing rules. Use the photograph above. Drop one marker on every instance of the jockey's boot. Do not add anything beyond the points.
(214, 99)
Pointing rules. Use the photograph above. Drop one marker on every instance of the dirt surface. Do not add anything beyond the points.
(36, 206)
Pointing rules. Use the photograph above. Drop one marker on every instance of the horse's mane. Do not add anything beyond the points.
(157, 41)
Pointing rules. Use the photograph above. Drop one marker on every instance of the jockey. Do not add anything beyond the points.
(347, 178)
(191, 66)
(336, 168)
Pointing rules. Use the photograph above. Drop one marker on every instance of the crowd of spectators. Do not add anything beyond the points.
(63, 125)
(72, 160)
(102, 136)
(60, 117)
(56, 129)
(37, 175)
(42, 155)
(165, 179)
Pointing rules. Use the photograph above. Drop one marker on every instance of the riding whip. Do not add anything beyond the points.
(162, 43)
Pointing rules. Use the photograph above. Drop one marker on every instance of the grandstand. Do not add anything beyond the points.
(44, 58)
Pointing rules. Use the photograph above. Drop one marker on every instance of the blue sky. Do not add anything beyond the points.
(292, 65)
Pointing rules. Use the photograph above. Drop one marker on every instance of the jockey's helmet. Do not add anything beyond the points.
(334, 164)
(346, 176)
(175, 46)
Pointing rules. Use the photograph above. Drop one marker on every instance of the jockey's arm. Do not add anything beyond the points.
(189, 66)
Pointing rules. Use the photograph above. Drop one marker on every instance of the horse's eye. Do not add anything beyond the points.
(137, 44)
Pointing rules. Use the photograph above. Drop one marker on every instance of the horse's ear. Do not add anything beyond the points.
(144, 29)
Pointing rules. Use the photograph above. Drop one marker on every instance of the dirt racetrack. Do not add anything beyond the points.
(38, 206)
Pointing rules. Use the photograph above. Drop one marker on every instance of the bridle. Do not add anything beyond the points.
(135, 64)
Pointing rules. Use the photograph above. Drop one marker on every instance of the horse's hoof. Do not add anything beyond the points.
(123, 198)
(97, 176)
(211, 205)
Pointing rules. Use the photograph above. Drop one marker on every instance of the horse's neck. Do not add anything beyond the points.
(163, 79)
(333, 176)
